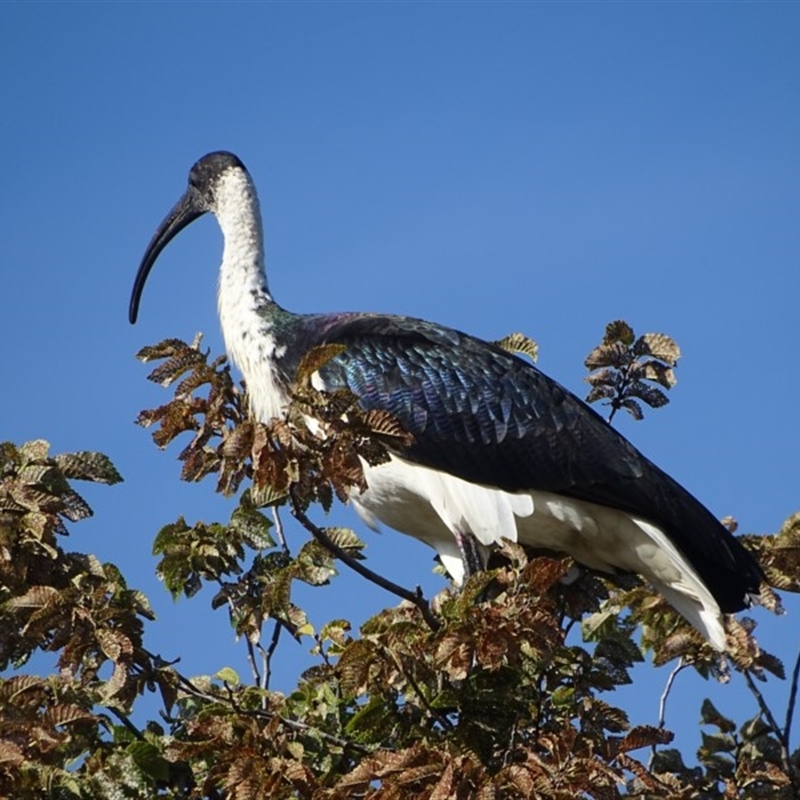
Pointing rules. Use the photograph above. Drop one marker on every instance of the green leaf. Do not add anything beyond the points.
(266, 495)
(563, 695)
(596, 626)
(314, 564)
(252, 526)
(374, 722)
(228, 675)
(335, 631)
(149, 759)
(306, 629)
(346, 539)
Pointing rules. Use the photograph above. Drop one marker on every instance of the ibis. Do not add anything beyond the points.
(499, 448)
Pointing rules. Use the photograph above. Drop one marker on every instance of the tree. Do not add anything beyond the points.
(482, 693)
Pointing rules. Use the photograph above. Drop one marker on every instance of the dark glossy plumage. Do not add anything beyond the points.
(487, 416)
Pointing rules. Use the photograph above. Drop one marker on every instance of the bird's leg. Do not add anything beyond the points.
(471, 554)
(475, 558)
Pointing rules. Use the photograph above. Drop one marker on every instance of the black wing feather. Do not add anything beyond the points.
(485, 415)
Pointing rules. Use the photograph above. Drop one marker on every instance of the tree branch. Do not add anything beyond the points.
(269, 652)
(433, 712)
(787, 731)
(792, 699)
(417, 598)
(295, 725)
(279, 529)
(251, 658)
(123, 718)
(767, 713)
(662, 703)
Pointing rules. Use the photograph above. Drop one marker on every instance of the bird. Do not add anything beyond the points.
(499, 449)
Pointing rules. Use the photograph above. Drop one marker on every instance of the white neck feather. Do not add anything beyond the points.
(243, 298)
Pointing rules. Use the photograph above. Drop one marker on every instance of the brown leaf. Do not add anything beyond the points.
(654, 371)
(520, 343)
(11, 753)
(658, 345)
(314, 359)
(454, 655)
(654, 397)
(35, 597)
(543, 573)
(606, 376)
(600, 393)
(172, 369)
(633, 408)
(64, 714)
(607, 355)
(385, 424)
(618, 331)
(644, 736)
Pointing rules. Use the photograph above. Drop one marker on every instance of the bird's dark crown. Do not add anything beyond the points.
(205, 173)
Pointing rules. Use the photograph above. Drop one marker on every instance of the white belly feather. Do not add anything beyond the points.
(433, 506)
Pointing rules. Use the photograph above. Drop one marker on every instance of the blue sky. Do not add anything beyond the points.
(543, 167)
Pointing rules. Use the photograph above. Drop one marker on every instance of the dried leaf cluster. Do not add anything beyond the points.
(320, 460)
(624, 369)
(483, 693)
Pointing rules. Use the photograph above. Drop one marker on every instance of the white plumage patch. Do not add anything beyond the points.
(243, 292)
(433, 506)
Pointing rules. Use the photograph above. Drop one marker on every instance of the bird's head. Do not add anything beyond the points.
(203, 194)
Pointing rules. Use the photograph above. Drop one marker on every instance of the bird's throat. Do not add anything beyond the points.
(246, 307)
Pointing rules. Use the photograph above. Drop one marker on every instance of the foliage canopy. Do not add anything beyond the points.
(483, 693)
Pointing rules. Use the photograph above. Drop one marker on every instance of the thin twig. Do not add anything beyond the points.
(268, 653)
(792, 700)
(295, 725)
(126, 722)
(251, 658)
(509, 752)
(435, 713)
(322, 654)
(762, 704)
(417, 598)
(765, 710)
(621, 387)
(662, 703)
(279, 529)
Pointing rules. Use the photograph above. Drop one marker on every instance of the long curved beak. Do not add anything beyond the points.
(183, 213)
